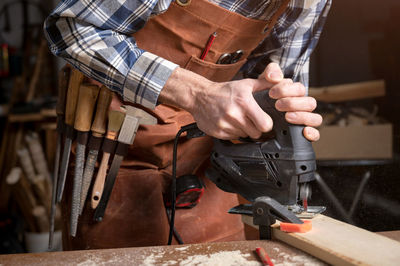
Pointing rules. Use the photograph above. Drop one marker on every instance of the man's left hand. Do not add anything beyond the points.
(291, 98)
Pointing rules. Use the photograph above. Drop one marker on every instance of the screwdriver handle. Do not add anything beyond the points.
(99, 124)
(115, 120)
(100, 180)
(72, 96)
(84, 111)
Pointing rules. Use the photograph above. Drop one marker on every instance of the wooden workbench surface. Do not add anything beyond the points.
(226, 253)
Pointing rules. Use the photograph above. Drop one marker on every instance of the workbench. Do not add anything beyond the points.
(223, 253)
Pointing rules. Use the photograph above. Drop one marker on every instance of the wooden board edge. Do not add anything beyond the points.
(329, 255)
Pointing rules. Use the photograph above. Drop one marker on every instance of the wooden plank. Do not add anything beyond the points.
(395, 235)
(30, 117)
(348, 92)
(338, 243)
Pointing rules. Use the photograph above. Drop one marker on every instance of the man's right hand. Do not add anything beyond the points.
(228, 110)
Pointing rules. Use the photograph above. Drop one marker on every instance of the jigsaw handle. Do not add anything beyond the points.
(281, 127)
(291, 143)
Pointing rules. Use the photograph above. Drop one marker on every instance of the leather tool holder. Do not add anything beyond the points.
(109, 145)
(95, 143)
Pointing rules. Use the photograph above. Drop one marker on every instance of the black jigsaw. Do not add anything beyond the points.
(272, 172)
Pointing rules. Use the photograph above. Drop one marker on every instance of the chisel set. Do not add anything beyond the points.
(85, 115)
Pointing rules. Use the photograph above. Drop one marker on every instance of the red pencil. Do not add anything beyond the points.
(264, 256)
(208, 45)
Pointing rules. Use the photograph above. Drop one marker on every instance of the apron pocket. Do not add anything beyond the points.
(212, 71)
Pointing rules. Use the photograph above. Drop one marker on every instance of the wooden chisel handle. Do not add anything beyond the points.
(75, 81)
(86, 103)
(63, 81)
(100, 179)
(99, 124)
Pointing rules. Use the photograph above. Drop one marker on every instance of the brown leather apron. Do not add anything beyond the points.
(135, 214)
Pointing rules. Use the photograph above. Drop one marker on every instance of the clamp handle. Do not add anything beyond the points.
(265, 212)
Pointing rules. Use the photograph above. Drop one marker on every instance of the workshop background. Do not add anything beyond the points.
(354, 75)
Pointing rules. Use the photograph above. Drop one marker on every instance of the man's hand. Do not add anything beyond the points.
(292, 100)
(228, 110)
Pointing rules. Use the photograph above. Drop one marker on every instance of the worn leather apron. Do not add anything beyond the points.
(135, 215)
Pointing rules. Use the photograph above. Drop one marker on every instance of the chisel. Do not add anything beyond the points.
(115, 119)
(75, 80)
(63, 79)
(83, 120)
(98, 130)
(133, 118)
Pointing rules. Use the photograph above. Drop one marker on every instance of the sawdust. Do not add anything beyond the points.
(182, 248)
(289, 260)
(223, 258)
(87, 263)
(235, 257)
(152, 259)
(93, 260)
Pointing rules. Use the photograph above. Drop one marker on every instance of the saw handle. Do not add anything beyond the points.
(100, 180)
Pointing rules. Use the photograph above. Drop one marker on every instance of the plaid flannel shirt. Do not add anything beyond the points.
(95, 37)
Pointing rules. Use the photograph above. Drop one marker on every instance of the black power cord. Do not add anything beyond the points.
(192, 132)
(176, 234)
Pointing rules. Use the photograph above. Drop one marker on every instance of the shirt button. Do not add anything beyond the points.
(183, 2)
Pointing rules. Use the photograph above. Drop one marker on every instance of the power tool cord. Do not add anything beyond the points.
(193, 132)
(176, 234)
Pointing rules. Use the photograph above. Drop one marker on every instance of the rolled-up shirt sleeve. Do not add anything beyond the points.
(95, 37)
(292, 40)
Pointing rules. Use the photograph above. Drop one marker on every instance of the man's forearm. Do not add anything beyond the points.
(183, 87)
(228, 110)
